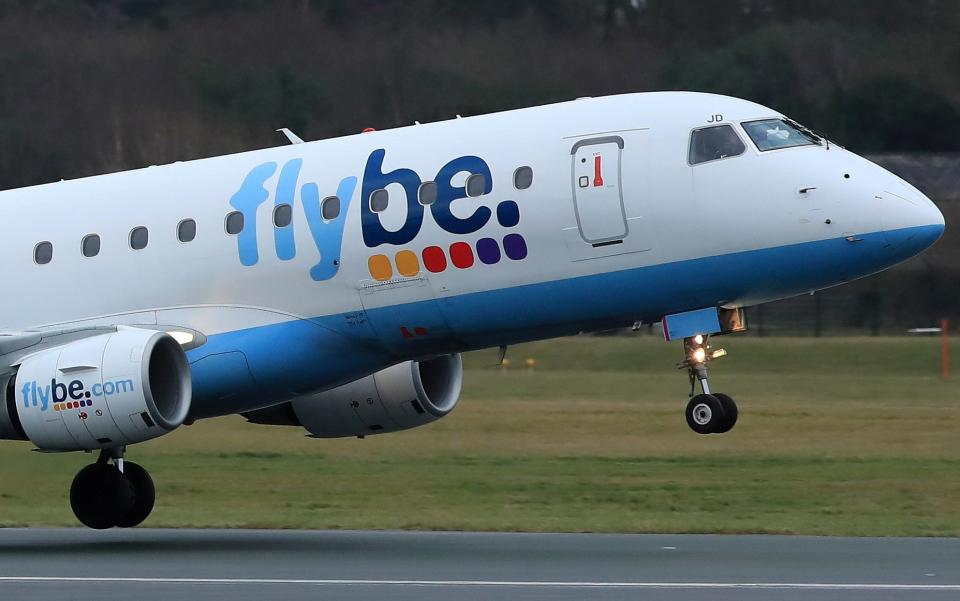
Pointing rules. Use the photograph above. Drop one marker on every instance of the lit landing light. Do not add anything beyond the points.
(699, 355)
(182, 338)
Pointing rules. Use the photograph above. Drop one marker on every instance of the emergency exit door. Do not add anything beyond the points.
(597, 193)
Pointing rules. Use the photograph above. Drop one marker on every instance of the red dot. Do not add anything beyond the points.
(434, 259)
(461, 254)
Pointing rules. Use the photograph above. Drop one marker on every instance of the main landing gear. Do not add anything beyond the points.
(707, 413)
(106, 495)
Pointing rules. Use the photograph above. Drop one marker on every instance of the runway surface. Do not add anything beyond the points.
(144, 565)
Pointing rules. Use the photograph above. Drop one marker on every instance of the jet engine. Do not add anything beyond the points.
(105, 391)
(407, 395)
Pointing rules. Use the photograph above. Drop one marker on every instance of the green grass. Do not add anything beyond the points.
(837, 436)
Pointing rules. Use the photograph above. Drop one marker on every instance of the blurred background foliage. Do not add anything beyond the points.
(92, 86)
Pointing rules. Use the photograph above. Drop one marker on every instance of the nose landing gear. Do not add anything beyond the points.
(105, 495)
(707, 413)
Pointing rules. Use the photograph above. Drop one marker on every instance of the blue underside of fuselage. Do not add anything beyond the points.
(242, 370)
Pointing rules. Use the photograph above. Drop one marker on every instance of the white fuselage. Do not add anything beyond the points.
(288, 310)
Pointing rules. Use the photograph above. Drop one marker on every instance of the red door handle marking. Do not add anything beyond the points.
(597, 178)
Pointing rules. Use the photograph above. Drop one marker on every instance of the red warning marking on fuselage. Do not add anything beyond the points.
(597, 178)
(417, 331)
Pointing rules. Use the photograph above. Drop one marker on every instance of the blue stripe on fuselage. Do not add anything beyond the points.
(302, 355)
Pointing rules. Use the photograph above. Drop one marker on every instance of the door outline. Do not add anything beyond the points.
(608, 240)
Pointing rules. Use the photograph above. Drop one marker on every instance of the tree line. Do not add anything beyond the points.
(92, 86)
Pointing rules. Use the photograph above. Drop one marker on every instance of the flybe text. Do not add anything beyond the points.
(326, 218)
(73, 394)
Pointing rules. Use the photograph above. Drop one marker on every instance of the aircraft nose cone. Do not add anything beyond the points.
(933, 229)
(911, 221)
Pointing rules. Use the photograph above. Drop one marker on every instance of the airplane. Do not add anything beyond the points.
(332, 285)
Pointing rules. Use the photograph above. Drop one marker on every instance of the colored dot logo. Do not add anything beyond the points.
(71, 405)
(434, 259)
(380, 267)
(461, 255)
(407, 263)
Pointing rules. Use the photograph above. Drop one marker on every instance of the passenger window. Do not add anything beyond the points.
(523, 178)
(427, 193)
(43, 253)
(476, 185)
(379, 200)
(282, 215)
(714, 143)
(139, 238)
(234, 223)
(187, 230)
(90, 246)
(330, 208)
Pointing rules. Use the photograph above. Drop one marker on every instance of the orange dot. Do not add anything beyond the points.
(380, 267)
(407, 263)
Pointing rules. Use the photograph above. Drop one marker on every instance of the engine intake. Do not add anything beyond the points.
(407, 395)
(99, 392)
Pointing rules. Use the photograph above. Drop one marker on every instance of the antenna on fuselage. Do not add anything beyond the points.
(294, 138)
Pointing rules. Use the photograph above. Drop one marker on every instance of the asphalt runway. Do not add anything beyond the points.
(147, 565)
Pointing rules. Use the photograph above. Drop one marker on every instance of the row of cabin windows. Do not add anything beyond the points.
(283, 215)
(186, 230)
(138, 239)
(476, 185)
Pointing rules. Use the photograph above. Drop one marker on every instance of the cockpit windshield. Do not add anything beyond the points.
(771, 134)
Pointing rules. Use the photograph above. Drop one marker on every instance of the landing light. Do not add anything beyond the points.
(183, 338)
(698, 339)
(699, 355)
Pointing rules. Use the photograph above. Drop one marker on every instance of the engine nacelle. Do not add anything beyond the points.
(404, 396)
(100, 392)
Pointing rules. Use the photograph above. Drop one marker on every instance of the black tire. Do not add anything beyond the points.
(144, 494)
(730, 408)
(100, 495)
(705, 414)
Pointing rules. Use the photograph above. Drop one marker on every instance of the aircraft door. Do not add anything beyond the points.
(597, 190)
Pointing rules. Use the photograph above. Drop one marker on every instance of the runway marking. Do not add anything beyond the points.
(499, 583)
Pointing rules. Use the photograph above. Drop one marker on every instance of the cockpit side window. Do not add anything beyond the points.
(714, 143)
(771, 134)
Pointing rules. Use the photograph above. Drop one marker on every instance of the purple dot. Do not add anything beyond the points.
(508, 213)
(515, 246)
(488, 250)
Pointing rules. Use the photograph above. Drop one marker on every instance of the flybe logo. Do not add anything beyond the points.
(461, 253)
(327, 226)
(70, 395)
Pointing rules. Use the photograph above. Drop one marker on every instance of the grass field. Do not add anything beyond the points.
(837, 436)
